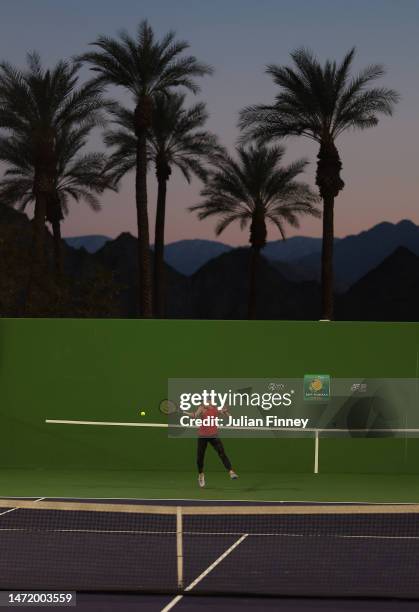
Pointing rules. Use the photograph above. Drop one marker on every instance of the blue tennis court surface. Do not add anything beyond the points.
(175, 555)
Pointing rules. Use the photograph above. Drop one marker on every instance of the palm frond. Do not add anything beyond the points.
(256, 186)
(142, 64)
(317, 100)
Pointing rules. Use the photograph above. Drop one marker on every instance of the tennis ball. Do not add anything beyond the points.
(142, 413)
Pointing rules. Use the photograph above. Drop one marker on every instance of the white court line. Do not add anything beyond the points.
(288, 429)
(209, 569)
(105, 423)
(209, 533)
(253, 502)
(12, 509)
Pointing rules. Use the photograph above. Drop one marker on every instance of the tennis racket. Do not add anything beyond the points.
(168, 407)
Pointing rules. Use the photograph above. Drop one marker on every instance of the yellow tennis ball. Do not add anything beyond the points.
(142, 413)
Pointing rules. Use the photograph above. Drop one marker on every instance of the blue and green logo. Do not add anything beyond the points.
(316, 387)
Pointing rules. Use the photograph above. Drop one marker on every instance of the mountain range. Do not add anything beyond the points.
(187, 256)
(105, 283)
(219, 289)
(91, 243)
(388, 292)
(356, 255)
(298, 257)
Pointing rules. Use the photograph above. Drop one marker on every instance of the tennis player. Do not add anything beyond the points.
(208, 434)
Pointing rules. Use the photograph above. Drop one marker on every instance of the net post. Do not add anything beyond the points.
(179, 546)
(316, 451)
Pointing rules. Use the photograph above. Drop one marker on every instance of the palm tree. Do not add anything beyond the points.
(145, 67)
(36, 104)
(78, 177)
(174, 140)
(320, 102)
(256, 190)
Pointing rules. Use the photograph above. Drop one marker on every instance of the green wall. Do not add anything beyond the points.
(109, 370)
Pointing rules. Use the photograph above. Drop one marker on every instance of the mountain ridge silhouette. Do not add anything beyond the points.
(355, 254)
(219, 288)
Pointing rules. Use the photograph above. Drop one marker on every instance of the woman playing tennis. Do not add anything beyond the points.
(208, 434)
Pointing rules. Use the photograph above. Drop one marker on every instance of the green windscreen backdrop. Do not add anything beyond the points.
(112, 370)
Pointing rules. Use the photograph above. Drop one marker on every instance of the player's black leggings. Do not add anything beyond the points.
(202, 447)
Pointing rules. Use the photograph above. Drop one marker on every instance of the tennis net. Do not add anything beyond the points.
(265, 549)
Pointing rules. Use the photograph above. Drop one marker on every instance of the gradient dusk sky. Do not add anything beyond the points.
(238, 38)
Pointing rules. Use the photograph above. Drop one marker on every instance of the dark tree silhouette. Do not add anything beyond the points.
(36, 105)
(78, 177)
(145, 67)
(253, 191)
(320, 102)
(174, 140)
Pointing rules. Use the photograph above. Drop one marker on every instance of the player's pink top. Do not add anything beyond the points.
(208, 431)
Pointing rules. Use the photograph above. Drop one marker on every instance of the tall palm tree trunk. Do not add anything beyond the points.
(44, 189)
(257, 241)
(330, 184)
(253, 270)
(39, 230)
(54, 216)
(37, 262)
(159, 271)
(327, 258)
(145, 304)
